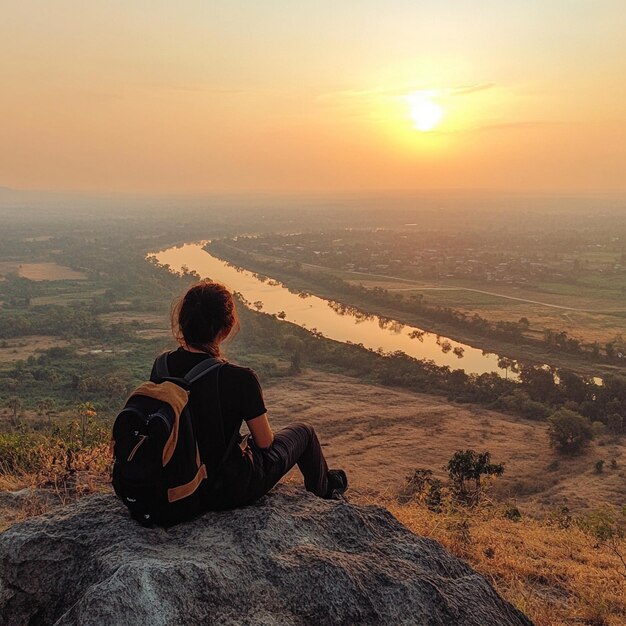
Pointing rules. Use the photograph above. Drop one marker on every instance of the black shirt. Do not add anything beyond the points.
(238, 392)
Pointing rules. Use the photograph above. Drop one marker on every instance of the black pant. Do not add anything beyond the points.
(296, 443)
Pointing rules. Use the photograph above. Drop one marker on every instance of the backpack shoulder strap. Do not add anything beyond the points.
(203, 368)
(161, 369)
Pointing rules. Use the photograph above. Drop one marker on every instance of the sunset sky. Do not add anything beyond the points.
(197, 97)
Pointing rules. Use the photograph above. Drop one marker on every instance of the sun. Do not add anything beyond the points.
(425, 113)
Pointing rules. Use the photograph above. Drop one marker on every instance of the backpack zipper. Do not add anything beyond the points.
(132, 452)
(157, 414)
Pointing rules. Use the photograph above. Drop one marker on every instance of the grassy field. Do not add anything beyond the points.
(380, 435)
(591, 310)
(600, 323)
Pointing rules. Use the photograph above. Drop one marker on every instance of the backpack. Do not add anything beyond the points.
(157, 471)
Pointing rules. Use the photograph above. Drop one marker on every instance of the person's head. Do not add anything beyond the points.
(204, 317)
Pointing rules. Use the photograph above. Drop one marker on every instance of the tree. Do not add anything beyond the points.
(573, 387)
(508, 364)
(539, 383)
(470, 466)
(569, 432)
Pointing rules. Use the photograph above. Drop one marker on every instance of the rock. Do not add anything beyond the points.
(28, 496)
(291, 559)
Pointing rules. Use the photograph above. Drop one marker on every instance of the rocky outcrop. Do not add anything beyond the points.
(290, 559)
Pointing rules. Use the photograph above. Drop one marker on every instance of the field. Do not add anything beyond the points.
(592, 311)
(46, 270)
(587, 314)
(13, 350)
(380, 435)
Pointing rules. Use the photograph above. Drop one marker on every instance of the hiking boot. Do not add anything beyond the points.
(337, 484)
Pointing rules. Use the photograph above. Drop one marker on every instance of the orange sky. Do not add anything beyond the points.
(186, 97)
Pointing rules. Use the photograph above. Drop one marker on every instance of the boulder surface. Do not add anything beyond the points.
(291, 559)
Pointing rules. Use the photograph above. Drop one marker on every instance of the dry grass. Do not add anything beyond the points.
(381, 435)
(557, 576)
(59, 477)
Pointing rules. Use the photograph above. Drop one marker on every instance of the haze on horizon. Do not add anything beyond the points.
(239, 97)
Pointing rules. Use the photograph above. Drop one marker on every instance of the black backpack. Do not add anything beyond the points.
(157, 471)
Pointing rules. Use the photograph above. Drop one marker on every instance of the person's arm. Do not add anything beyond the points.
(261, 431)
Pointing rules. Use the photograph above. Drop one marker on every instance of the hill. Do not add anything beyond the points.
(381, 435)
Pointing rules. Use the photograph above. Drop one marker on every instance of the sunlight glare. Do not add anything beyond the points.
(425, 113)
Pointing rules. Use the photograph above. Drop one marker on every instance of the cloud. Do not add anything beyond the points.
(469, 89)
(336, 97)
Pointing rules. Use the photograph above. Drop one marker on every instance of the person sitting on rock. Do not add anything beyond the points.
(201, 320)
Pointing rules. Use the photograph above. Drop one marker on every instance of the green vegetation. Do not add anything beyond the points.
(569, 431)
(466, 469)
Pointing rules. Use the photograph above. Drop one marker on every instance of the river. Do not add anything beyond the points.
(332, 319)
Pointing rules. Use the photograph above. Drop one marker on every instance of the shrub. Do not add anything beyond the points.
(512, 513)
(18, 451)
(518, 401)
(569, 431)
(599, 466)
(467, 467)
(615, 423)
(416, 486)
(598, 429)
(434, 495)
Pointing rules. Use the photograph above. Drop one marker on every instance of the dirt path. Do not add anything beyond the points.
(500, 295)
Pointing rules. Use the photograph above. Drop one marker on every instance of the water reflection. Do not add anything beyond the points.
(346, 309)
(332, 319)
